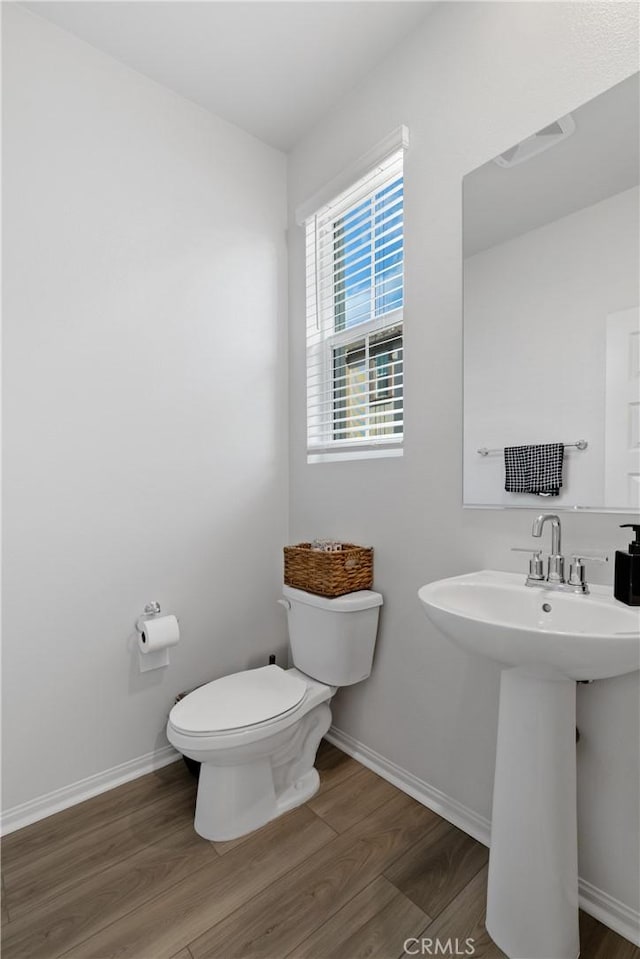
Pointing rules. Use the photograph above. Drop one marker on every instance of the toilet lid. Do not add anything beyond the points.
(242, 699)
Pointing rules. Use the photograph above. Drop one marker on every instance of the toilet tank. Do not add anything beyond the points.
(332, 640)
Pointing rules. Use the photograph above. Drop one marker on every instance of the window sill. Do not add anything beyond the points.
(336, 456)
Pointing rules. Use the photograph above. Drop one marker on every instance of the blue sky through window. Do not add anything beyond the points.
(368, 250)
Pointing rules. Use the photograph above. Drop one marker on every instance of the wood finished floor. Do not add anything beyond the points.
(352, 874)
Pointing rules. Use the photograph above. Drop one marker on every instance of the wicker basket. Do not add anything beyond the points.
(328, 574)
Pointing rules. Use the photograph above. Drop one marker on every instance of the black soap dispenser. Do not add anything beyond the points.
(626, 582)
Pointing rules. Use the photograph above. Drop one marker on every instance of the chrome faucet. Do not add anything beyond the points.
(555, 567)
(555, 579)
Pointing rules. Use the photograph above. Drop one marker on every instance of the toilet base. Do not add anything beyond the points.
(235, 799)
(297, 794)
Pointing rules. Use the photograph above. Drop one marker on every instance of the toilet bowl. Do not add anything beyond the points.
(256, 732)
(255, 772)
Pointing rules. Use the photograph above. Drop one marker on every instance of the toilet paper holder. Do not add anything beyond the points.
(153, 650)
(151, 609)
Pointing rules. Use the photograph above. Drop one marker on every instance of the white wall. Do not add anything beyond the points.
(535, 312)
(145, 397)
(476, 78)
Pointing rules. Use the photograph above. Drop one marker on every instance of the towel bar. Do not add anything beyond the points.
(579, 445)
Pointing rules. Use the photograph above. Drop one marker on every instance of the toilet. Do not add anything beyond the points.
(256, 732)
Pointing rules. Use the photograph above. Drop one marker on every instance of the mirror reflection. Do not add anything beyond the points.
(551, 320)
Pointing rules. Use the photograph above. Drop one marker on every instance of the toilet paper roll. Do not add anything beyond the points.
(158, 633)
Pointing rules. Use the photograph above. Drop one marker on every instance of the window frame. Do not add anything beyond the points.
(322, 337)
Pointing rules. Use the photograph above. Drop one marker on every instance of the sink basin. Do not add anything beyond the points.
(545, 640)
(494, 614)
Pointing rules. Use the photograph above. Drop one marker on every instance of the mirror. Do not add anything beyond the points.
(551, 325)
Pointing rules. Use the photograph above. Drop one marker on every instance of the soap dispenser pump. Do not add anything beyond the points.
(626, 583)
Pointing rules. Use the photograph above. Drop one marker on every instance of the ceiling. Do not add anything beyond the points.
(272, 68)
(600, 159)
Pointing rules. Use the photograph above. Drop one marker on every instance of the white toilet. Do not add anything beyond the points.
(256, 733)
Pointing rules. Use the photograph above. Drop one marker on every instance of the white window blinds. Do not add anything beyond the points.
(355, 296)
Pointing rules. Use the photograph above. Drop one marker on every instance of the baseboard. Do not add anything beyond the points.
(23, 815)
(609, 911)
(450, 809)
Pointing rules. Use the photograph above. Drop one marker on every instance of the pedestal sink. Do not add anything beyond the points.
(546, 641)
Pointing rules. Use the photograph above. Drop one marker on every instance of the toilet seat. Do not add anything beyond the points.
(251, 698)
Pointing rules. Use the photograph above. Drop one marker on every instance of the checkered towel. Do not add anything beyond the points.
(534, 469)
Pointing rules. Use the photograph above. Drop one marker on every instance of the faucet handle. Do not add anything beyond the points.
(536, 569)
(577, 576)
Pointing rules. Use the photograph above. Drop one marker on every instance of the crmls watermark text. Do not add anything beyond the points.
(440, 947)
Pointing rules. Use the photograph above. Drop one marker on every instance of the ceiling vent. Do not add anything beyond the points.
(537, 142)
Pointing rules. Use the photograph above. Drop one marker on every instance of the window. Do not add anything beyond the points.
(355, 295)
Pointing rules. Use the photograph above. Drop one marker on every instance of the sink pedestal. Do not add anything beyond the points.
(532, 899)
(546, 640)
